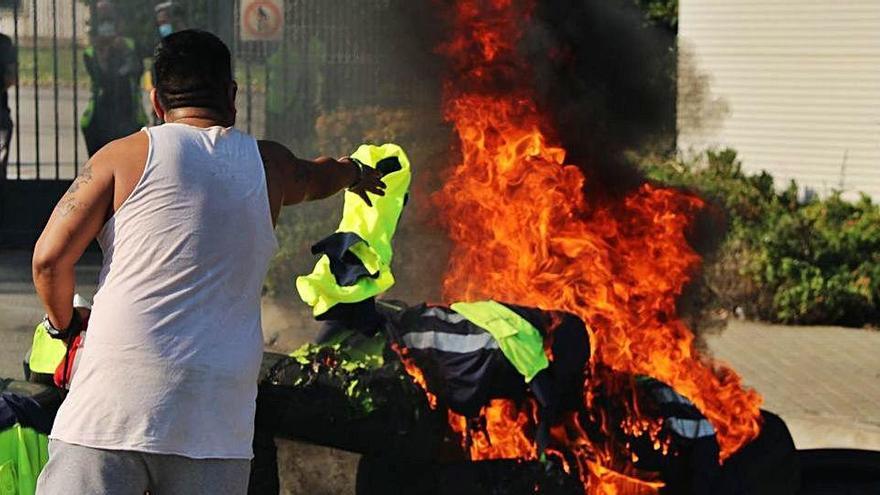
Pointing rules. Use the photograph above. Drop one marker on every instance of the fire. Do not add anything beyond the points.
(524, 232)
(503, 434)
(614, 483)
(415, 373)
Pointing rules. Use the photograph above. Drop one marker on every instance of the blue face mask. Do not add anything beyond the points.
(165, 29)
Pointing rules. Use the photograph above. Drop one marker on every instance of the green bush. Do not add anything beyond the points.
(815, 261)
(661, 12)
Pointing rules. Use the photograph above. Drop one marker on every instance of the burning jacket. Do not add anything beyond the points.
(471, 353)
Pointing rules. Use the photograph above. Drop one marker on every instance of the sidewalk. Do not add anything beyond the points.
(823, 381)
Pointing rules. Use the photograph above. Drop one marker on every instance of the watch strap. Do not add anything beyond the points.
(73, 327)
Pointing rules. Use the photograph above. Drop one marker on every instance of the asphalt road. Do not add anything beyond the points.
(30, 144)
(20, 308)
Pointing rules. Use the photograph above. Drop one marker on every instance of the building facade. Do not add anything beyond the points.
(792, 85)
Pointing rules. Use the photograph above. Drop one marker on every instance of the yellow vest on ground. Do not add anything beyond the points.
(46, 352)
(23, 453)
(520, 342)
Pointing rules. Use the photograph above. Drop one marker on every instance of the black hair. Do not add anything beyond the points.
(192, 68)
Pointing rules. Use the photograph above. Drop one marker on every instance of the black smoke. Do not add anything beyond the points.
(606, 76)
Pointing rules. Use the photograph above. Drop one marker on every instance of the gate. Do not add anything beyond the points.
(331, 54)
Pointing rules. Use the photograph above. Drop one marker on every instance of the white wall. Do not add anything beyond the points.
(792, 85)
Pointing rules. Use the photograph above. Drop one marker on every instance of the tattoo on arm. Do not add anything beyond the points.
(68, 203)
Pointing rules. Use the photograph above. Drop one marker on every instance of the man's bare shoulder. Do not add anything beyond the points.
(123, 152)
(274, 153)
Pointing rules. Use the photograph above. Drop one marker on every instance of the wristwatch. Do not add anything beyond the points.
(360, 176)
(72, 329)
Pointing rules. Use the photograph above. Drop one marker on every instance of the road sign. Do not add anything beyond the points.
(262, 20)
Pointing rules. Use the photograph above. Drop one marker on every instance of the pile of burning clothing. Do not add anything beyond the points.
(354, 392)
(355, 389)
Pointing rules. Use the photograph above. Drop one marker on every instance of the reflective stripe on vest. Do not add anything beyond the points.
(46, 352)
(23, 453)
(521, 343)
(375, 225)
(449, 342)
(692, 428)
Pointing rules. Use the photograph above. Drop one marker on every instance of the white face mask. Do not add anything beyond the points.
(106, 29)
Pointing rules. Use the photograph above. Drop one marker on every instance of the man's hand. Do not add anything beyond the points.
(291, 180)
(369, 181)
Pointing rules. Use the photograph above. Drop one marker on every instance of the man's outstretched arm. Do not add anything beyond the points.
(296, 180)
(76, 220)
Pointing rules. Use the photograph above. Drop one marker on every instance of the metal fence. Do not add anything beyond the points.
(332, 53)
(46, 34)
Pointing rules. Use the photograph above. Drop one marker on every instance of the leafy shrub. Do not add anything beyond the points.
(661, 12)
(787, 260)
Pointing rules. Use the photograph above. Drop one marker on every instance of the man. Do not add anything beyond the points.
(7, 79)
(114, 109)
(163, 396)
(169, 18)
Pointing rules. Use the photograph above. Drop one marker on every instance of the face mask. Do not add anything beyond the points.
(106, 29)
(165, 29)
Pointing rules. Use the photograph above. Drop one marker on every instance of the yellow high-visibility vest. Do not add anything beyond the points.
(46, 352)
(23, 453)
(520, 342)
(374, 225)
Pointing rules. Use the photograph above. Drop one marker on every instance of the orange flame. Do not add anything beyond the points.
(524, 232)
(504, 435)
(415, 373)
(614, 483)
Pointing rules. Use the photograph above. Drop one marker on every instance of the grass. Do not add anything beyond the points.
(45, 67)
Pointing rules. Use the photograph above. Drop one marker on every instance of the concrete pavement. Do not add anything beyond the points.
(823, 381)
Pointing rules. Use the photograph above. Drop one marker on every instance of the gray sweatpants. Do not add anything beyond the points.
(88, 471)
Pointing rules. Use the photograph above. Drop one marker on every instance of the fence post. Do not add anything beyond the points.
(17, 122)
(75, 59)
(55, 86)
(36, 96)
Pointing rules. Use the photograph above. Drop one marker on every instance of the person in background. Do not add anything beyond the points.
(170, 18)
(115, 109)
(7, 79)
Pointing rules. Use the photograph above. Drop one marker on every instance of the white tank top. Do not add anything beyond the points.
(174, 343)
